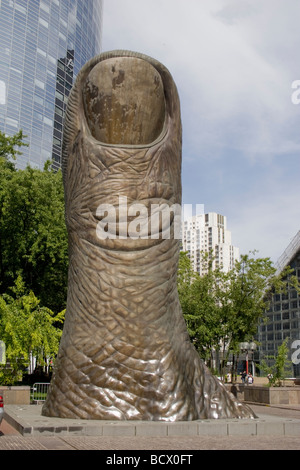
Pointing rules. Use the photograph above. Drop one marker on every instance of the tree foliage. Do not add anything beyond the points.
(199, 298)
(223, 309)
(33, 258)
(27, 329)
(281, 365)
(33, 237)
(9, 148)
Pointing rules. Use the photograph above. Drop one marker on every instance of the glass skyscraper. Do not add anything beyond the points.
(43, 45)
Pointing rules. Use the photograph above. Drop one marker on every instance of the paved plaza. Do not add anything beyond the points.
(276, 428)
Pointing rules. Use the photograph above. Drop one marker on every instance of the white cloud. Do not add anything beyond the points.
(221, 67)
(266, 225)
(234, 64)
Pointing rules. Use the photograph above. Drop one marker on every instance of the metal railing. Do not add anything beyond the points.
(39, 392)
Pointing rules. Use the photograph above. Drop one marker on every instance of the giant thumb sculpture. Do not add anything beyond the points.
(125, 353)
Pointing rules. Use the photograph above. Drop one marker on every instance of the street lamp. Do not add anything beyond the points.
(246, 347)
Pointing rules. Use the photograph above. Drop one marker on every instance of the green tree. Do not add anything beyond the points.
(223, 309)
(9, 146)
(281, 365)
(33, 237)
(248, 291)
(27, 330)
(200, 302)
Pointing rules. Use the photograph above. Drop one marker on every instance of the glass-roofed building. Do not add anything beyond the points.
(283, 316)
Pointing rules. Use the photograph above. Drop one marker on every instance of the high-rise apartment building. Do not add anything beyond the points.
(208, 233)
(43, 45)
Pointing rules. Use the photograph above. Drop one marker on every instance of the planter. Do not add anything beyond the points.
(272, 395)
(15, 395)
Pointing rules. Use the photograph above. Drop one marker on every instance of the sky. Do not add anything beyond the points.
(235, 63)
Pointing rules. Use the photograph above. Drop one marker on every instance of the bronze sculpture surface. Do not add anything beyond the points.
(125, 353)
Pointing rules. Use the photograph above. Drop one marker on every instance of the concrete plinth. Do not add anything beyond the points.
(272, 395)
(15, 395)
(28, 421)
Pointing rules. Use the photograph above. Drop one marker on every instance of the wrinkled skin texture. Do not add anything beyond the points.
(125, 353)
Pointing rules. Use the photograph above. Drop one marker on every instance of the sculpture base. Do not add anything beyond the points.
(28, 420)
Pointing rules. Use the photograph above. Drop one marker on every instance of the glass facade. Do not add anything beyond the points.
(43, 45)
(283, 315)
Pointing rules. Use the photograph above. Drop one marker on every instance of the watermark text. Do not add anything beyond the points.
(296, 94)
(139, 221)
(296, 354)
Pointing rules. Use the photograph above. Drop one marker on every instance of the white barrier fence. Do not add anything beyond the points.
(39, 392)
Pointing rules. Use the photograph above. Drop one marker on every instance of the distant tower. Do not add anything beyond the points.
(43, 45)
(208, 233)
